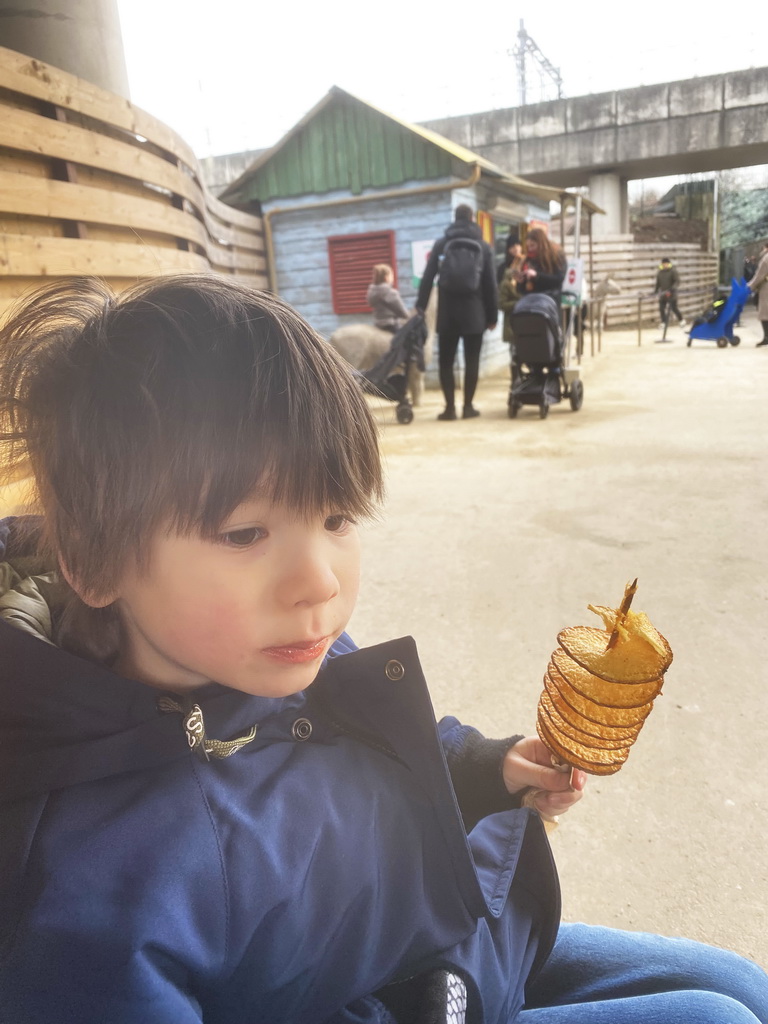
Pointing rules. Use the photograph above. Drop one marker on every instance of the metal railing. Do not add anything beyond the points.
(707, 292)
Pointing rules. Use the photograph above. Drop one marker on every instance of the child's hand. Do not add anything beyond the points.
(529, 763)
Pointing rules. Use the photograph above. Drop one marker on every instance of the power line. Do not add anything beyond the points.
(527, 47)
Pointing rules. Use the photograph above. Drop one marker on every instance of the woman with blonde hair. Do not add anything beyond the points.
(389, 312)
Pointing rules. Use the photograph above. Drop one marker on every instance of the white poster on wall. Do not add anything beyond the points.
(420, 252)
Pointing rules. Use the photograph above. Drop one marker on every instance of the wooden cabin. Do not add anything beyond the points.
(350, 186)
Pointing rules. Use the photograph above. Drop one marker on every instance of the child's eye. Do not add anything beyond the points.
(241, 538)
(338, 523)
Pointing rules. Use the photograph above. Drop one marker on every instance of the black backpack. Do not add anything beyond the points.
(461, 266)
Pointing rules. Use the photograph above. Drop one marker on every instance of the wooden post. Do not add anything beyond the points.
(590, 215)
(563, 205)
(600, 325)
(64, 170)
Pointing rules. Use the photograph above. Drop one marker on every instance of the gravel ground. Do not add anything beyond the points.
(497, 533)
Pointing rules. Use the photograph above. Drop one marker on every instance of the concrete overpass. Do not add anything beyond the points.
(606, 139)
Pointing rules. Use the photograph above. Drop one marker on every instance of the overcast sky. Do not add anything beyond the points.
(231, 75)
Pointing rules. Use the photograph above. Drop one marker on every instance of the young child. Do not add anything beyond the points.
(389, 312)
(212, 807)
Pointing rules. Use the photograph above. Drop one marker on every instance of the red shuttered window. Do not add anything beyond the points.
(352, 259)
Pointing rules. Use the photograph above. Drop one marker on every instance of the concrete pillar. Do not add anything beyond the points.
(610, 192)
(79, 36)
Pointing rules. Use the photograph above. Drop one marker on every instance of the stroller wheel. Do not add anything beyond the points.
(513, 409)
(404, 414)
(576, 395)
(722, 342)
(543, 410)
(735, 339)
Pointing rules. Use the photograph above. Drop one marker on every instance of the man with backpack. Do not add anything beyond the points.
(467, 303)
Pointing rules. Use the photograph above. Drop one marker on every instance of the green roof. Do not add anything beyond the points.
(342, 144)
(345, 144)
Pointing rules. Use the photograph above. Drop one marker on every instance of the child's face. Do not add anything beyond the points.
(256, 608)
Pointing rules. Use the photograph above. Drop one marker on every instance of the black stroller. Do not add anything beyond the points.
(389, 377)
(538, 375)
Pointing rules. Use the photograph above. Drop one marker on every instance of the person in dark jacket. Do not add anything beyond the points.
(461, 313)
(213, 807)
(667, 283)
(543, 268)
(389, 312)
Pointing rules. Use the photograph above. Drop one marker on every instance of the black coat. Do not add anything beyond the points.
(462, 314)
(546, 282)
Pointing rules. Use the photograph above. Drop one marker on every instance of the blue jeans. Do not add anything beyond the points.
(603, 976)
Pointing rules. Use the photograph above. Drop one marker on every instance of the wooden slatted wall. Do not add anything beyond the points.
(633, 265)
(90, 184)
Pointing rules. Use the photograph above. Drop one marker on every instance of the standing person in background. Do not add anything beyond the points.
(543, 269)
(667, 281)
(759, 286)
(389, 312)
(467, 304)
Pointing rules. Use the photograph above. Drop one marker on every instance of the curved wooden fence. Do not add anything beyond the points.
(90, 184)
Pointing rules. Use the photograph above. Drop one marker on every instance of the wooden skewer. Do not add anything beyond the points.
(629, 593)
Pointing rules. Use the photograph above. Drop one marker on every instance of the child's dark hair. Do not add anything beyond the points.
(168, 405)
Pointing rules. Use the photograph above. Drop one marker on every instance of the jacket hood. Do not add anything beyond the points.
(464, 229)
(66, 720)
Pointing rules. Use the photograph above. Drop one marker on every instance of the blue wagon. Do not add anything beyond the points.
(718, 322)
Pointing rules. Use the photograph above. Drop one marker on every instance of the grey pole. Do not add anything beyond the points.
(79, 36)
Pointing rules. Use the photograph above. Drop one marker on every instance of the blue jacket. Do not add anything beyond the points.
(289, 882)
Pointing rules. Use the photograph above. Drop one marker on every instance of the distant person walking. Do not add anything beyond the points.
(389, 312)
(667, 281)
(759, 285)
(467, 304)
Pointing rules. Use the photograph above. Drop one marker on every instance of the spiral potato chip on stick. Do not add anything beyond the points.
(599, 688)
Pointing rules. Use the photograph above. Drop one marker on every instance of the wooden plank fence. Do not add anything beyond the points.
(633, 265)
(90, 184)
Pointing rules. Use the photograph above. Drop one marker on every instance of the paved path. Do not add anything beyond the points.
(497, 533)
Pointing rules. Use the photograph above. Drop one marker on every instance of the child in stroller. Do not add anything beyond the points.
(717, 322)
(538, 376)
